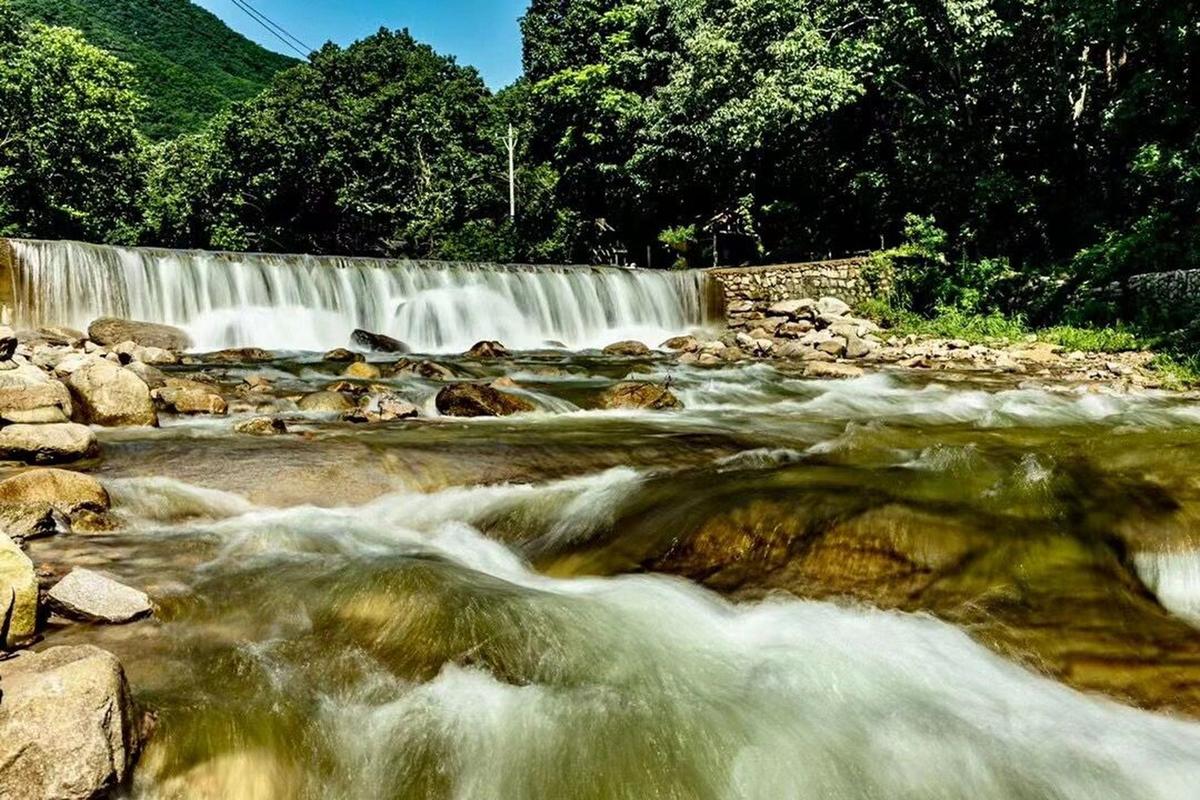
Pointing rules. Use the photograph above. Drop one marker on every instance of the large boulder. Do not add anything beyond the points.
(420, 369)
(108, 394)
(67, 725)
(182, 396)
(91, 597)
(479, 400)
(627, 348)
(363, 371)
(110, 331)
(47, 444)
(32, 521)
(378, 342)
(18, 600)
(69, 492)
(382, 407)
(31, 396)
(638, 394)
(832, 307)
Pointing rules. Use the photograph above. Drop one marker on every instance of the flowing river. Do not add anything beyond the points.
(896, 587)
(535, 607)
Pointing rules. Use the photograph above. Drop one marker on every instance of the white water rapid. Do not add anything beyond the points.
(287, 302)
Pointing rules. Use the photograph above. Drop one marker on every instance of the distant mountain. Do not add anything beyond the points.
(189, 63)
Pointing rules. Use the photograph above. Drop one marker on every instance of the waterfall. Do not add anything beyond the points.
(300, 302)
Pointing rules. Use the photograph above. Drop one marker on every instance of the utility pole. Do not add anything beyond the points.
(510, 142)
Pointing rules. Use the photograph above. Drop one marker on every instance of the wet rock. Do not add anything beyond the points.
(47, 444)
(487, 349)
(820, 369)
(325, 403)
(240, 355)
(627, 348)
(858, 347)
(109, 331)
(636, 394)
(685, 344)
(378, 342)
(28, 395)
(18, 598)
(341, 355)
(69, 492)
(835, 346)
(130, 352)
(62, 335)
(479, 400)
(182, 396)
(8, 347)
(67, 725)
(261, 426)
(382, 407)
(110, 395)
(91, 597)
(362, 371)
(32, 521)
(689, 357)
(256, 384)
(421, 369)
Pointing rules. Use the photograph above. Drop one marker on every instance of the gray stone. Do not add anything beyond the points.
(47, 444)
(67, 726)
(833, 307)
(820, 369)
(28, 395)
(261, 426)
(92, 597)
(182, 396)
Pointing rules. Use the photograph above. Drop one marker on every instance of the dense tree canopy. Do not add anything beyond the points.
(70, 154)
(1050, 142)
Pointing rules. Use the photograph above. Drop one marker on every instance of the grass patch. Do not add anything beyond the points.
(1177, 372)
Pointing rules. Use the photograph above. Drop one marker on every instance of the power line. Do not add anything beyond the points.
(274, 28)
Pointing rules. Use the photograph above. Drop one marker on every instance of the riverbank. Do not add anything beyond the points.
(365, 540)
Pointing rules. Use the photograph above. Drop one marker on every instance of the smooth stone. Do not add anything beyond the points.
(67, 725)
(182, 396)
(479, 400)
(109, 331)
(32, 521)
(682, 343)
(361, 370)
(92, 597)
(341, 355)
(383, 407)
(821, 369)
(240, 355)
(261, 426)
(638, 394)
(67, 491)
(110, 395)
(629, 347)
(30, 396)
(378, 342)
(421, 369)
(487, 349)
(833, 307)
(325, 403)
(18, 598)
(47, 444)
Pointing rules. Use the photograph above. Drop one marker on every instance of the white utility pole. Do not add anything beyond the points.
(511, 143)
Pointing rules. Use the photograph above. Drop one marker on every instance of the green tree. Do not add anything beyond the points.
(71, 159)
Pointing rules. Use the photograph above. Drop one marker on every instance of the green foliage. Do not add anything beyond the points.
(70, 155)
(187, 63)
(683, 241)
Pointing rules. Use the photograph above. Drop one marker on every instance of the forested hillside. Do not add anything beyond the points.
(188, 64)
(1019, 153)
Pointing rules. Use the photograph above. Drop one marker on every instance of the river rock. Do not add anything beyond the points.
(92, 597)
(487, 349)
(32, 521)
(108, 394)
(62, 335)
(341, 355)
(240, 355)
(67, 725)
(261, 426)
(110, 331)
(362, 371)
(69, 492)
(378, 342)
(421, 369)
(822, 369)
(832, 307)
(28, 395)
(182, 396)
(686, 344)
(479, 400)
(805, 308)
(638, 394)
(58, 443)
(18, 599)
(628, 347)
(325, 403)
(835, 346)
(382, 407)
(151, 376)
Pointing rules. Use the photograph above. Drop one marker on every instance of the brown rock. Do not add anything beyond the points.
(378, 342)
(479, 400)
(108, 394)
(47, 444)
(181, 396)
(343, 356)
(627, 348)
(821, 369)
(67, 491)
(487, 349)
(635, 394)
(110, 331)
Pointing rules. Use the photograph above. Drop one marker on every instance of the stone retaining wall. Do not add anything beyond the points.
(1166, 295)
(848, 279)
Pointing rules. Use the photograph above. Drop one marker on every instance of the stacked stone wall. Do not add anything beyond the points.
(852, 280)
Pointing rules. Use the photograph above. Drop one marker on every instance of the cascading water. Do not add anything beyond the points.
(289, 302)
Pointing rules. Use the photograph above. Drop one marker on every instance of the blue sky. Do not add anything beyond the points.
(482, 33)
